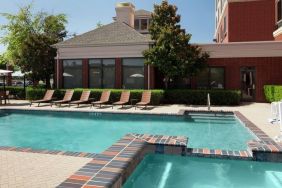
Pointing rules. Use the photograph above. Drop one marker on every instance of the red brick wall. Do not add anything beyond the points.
(85, 73)
(118, 73)
(60, 74)
(251, 21)
(152, 77)
(268, 71)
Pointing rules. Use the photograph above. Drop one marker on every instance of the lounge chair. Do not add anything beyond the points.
(145, 100)
(8, 96)
(67, 98)
(124, 99)
(84, 98)
(47, 98)
(105, 97)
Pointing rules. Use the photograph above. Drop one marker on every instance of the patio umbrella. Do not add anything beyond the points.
(136, 76)
(3, 73)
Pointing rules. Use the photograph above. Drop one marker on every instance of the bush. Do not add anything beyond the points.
(195, 97)
(18, 92)
(273, 93)
(35, 94)
(199, 97)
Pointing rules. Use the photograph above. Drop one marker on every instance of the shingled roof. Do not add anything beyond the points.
(111, 34)
(142, 12)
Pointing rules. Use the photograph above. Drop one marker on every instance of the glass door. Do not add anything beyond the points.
(248, 83)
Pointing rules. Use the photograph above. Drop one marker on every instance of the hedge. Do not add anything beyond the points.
(199, 97)
(18, 92)
(195, 97)
(157, 95)
(273, 93)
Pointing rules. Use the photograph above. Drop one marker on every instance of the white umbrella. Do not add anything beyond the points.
(136, 76)
(4, 73)
(67, 75)
(18, 74)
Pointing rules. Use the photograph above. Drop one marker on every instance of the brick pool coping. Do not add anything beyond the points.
(112, 167)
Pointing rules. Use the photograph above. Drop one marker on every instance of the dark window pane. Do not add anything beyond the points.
(144, 24)
(95, 73)
(203, 79)
(108, 73)
(217, 78)
(133, 73)
(72, 73)
(137, 24)
(102, 73)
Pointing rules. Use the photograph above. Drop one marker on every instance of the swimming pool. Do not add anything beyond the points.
(163, 171)
(95, 132)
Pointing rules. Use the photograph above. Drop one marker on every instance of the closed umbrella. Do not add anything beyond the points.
(4, 73)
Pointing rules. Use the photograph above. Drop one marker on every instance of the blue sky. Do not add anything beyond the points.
(83, 15)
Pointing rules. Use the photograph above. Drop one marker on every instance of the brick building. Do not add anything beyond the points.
(247, 48)
(247, 54)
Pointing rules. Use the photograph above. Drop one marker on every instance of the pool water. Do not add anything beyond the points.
(95, 132)
(163, 171)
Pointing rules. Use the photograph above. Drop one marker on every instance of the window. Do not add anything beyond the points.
(102, 73)
(217, 77)
(211, 78)
(203, 79)
(137, 24)
(133, 73)
(72, 74)
(144, 24)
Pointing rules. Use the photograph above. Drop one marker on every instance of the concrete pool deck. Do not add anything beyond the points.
(31, 170)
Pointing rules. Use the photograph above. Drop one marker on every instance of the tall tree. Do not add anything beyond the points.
(29, 38)
(171, 54)
(3, 61)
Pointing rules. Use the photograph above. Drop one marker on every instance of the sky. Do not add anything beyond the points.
(197, 16)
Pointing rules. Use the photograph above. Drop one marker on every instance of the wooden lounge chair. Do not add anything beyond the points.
(105, 97)
(124, 99)
(67, 98)
(145, 100)
(84, 98)
(2, 96)
(47, 98)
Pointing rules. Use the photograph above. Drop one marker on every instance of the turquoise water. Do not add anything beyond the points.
(162, 171)
(92, 132)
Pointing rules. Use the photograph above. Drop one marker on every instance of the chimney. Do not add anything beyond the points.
(125, 13)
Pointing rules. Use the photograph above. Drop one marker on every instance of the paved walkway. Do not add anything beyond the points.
(30, 170)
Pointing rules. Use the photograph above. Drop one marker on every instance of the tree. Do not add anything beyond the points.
(29, 38)
(3, 62)
(172, 54)
(99, 24)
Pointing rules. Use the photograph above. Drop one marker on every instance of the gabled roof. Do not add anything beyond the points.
(111, 34)
(142, 12)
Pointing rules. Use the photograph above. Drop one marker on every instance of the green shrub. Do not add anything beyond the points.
(199, 97)
(34, 94)
(18, 92)
(273, 93)
(196, 97)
